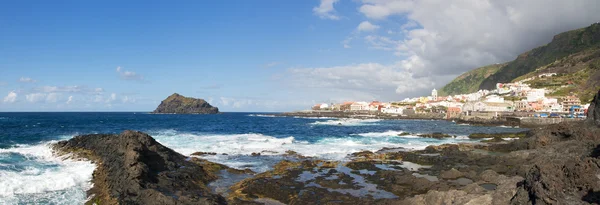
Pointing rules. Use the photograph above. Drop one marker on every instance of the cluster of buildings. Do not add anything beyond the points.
(507, 97)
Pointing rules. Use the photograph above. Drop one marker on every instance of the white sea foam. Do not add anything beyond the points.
(347, 122)
(315, 118)
(331, 148)
(261, 115)
(389, 133)
(48, 179)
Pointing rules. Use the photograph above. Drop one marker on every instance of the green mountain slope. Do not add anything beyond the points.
(469, 82)
(573, 55)
(562, 45)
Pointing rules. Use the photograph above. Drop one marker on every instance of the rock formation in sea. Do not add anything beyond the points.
(179, 104)
(135, 169)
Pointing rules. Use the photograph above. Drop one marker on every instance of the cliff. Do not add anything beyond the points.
(179, 104)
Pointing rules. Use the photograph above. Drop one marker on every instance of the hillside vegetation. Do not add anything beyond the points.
(573, 55)
(469, 82)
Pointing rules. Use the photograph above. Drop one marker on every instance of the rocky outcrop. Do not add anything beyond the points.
(497, 135)
(178, 104)
(593, 115)
(135, 169)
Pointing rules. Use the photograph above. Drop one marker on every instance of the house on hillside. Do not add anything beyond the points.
(535, 94)
(570, 101)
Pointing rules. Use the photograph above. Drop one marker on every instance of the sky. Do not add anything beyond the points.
(263, 55)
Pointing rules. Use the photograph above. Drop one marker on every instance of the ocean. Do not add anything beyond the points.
(30, 174)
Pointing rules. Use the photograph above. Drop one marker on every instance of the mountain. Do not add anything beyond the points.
(179, 104)
(573, 55)
(469, 82)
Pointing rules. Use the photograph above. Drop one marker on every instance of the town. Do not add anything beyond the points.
(516, 99)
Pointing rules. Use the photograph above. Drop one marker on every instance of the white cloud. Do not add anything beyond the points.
(367, 81)
(366, 26)
(381, 42)
(27, 80)
(70, 100)
(347, 41)
(11, 97)
(35, 97)
(65, 89)
(98, 98)
(380, 9)
(52, 97)
(112, 98)
(449, 37)
(127, 99)
(128, 75)
(325, 10)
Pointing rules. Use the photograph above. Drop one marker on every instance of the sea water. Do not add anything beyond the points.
(31, 174)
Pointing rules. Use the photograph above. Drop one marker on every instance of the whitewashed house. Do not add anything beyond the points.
(359, 106)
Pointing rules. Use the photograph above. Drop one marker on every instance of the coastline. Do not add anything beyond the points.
(503, 172)
(507, 121)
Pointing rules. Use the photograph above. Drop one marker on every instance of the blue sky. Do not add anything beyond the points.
(266, 55)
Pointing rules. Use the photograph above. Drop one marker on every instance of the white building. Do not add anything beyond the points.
(546, 75)
(324, 106)
(535, 95)
(393, 110)
(357, 106)
(494, 99)
(434, 94)
(498, 107)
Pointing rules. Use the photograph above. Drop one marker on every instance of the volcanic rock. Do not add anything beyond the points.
(593, 114)
(178, 104)
(135, 169)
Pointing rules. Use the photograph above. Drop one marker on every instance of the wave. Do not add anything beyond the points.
(347, 122)
(389, 133)
(315, 118)
(239, 147)
(261, 115)
(37, 176)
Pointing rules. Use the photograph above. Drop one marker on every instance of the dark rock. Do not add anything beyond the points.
(593, 115)
(497, 135)
(178, 104)
(436, 135)
(495, 139)
(203, 153)
(451, 174)
(135, 169)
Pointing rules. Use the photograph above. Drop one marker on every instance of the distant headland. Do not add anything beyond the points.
(179, 104)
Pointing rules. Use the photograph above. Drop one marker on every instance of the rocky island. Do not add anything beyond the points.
(558, 164)
(179, 104)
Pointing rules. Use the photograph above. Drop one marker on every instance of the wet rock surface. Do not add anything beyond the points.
(135, 169)
(558, 164)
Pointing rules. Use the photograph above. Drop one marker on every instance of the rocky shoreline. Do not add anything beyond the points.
(426, 116)
(558, 164)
